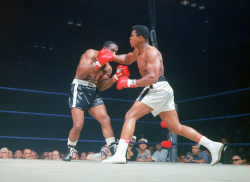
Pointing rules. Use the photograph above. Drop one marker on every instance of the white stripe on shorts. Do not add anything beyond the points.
(75, 95)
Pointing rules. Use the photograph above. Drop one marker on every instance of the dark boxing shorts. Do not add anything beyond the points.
(84, 95)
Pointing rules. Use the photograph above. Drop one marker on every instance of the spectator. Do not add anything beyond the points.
(4, 153)
(83, 156)
(161, 154)
(91, 153)
(131, 151)
(151, 149)
(143, 153)
(197, 156)
(50, 155)
(10, 154)
(209, 155)
(245, 162)
(227, 153)
(103, 154)
(75, 156)
(45, 156)
(18, 154)
(182, 158)
(241, 152)
(34, 155)
(56, 155)
(62, 155)
(27, 154)
(236, 160)
(178, 159)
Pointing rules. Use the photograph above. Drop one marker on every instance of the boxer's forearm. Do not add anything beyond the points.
(105, 84)
(120, 59)
(147, 80)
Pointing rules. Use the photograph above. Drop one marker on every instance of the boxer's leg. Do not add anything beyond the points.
(172, 121)
(138, 110)
(99, 112)
(78, 120)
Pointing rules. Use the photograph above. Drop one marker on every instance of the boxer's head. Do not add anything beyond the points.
(111, 46)
(140, 34)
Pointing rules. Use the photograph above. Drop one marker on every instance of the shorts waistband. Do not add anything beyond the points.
(161, 79)
(83, 82)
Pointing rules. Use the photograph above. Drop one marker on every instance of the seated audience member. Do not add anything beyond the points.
(143, 153)
(227, 152)
(75, 156)
(131, 151)
(90, 153)
(161, 154)
(62, 155)
(245, 161)
(103, 154)
(4, 152)
(34, 155)
(55, 155)
(18, 154)
(50, 155)
(236, 160)
(10, 154)
(182, 158)
(241, 152)
(45, 156)
(151, 149)
(27, 154)
(209, 155)
(197, 156)
(83, 156)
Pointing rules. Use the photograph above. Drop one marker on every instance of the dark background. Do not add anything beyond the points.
(204, 51)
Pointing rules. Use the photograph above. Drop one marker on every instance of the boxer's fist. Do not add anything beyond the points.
(104, 56)
(121, 71)
(124, 82)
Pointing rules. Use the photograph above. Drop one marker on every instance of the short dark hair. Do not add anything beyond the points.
(141, 30)
(107, 43)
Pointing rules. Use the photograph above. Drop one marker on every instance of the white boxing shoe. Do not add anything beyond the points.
(216, 149)
(115, 159)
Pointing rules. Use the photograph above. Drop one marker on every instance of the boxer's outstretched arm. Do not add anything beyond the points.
(86, 66)
(153, 68)
(125, 59)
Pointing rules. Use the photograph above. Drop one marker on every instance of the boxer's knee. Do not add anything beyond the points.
(77, 127)
(177, 130)
(106, 122)
(130, 116)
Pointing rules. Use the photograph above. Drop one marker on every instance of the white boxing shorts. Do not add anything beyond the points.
(159, 96)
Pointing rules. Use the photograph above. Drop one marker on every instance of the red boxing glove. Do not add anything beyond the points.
(124, 82)
(104, 56)
(121, 71)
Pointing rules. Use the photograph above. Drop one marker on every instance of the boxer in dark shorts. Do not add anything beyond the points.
(93, 74)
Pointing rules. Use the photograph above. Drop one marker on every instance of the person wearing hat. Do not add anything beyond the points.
(131, 153)
(144, 154)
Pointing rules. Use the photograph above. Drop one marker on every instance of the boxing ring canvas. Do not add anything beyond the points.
(57, 171)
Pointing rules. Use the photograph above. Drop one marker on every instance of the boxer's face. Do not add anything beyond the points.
(112, 48)
(134, 40)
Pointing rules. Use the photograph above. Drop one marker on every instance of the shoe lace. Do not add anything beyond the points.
(72, 152)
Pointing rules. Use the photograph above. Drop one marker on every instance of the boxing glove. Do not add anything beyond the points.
(124, 82)
(121, 71)
(104, 56)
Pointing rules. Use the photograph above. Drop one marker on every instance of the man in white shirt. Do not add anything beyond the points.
(161, 154)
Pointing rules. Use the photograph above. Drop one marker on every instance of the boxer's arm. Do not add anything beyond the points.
(105, 82)
(153, 68)
(126, 59)
(86, 66)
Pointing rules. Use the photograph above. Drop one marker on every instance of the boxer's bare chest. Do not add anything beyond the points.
(142, 63)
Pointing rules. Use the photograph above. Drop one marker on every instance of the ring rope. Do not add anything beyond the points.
(197, 98)
(148, 122)
(103, 141)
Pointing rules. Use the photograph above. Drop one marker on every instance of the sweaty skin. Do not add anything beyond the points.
(86, 71)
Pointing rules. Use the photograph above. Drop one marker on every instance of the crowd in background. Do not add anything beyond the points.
(142, 153)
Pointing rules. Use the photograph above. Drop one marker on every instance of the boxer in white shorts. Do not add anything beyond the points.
(157, 97)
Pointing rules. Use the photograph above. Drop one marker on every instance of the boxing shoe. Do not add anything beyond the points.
(214, 147)
(70, 153)
(115, 159)
(113, 148)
